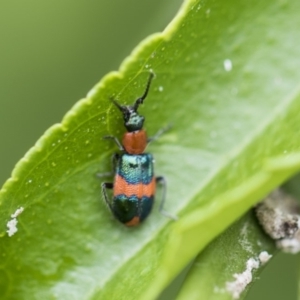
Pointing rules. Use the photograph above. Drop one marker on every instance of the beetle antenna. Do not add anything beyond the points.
(141, 99)
(122, 108)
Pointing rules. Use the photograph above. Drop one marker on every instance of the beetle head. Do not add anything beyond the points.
(132, 120)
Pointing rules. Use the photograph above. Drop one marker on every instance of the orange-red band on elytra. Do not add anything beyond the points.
(122, 187)
(133, 222)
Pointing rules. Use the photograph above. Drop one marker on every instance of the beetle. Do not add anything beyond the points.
(134, 183)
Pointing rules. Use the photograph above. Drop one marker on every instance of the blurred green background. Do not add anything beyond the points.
(53, 52)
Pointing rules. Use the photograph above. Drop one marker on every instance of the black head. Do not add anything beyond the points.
(132, 120)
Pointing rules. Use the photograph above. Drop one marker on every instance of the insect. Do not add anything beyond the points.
(134, 181)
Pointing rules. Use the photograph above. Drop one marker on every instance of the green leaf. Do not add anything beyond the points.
(189, 229)
(212, 273)
(234, 138)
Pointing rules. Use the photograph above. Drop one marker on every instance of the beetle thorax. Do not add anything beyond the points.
(135, 142)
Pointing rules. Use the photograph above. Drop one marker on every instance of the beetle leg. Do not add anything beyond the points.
(162, 181)
(114, 160)
(159, 133)
(104, 187)
(110, 137)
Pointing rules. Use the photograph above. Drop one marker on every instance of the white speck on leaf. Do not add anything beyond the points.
(12, 224)
(237, 286)
(17, 212)
(160, 88)
(244, 240)
(12, 227)
(227, 65)
(264, 257)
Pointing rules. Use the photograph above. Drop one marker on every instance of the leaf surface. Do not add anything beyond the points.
(213, 272)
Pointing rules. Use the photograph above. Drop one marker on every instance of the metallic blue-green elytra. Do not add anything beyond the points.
(134, 188)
